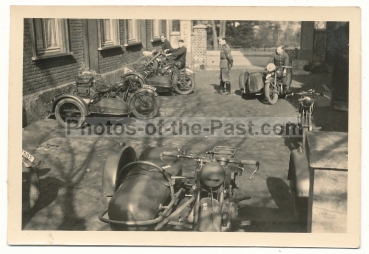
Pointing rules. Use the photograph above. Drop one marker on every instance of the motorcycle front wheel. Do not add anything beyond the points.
(70, 113)
(271, 93)
(144, 105)
(185, 85)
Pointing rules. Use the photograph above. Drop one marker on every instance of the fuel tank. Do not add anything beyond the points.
(162, 83)
(144, 190)
(109, 106)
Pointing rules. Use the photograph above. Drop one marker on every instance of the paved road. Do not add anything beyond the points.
(72, 167)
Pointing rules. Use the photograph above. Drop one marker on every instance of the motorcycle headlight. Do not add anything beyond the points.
(270, 67)
(212, 174)
(307, 101)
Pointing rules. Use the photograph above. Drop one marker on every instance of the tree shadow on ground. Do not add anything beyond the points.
(280, 219)
(49, 189)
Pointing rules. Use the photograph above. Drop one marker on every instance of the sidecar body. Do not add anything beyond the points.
(161, 83)
(251, 83)
(140, 190)
(82, 96)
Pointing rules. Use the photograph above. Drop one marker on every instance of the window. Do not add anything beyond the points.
(320, 25)
(50, 38)
(156, 28)
(176, 26)
(108, 33)
(133, 34)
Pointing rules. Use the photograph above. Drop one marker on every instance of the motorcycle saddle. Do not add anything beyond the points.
(102, 88)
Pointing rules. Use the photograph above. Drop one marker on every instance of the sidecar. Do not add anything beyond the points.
(251, 83)
(71, 108)
(149, 192)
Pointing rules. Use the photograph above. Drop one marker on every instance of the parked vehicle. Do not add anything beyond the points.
(268, 82)
(123, 98)
(164, 189)
(306, 109)
(30, 182)
(155, 69)
(299, 172)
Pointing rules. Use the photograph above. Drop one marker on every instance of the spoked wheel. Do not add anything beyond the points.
(185, 85)
(31, 189)
(144, 105)
(70, 113)
(271, 93)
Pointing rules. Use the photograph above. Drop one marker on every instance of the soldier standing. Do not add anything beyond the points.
(225, 65)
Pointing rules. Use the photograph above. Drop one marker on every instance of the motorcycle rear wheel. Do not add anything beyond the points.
(70, 108)
(144, 105)
(271, 93)
(185, 85)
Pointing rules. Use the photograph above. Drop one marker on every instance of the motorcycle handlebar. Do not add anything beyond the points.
(186, 156)
(171, 154)
(309, 93)
(249, 162)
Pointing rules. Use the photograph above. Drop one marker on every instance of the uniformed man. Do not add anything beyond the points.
(178, 55)
(165, 44)
(225, 65)
(280, 58)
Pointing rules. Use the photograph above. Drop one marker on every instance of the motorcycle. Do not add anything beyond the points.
(168, 187)
(30, 182)
(269, 82)
(155, 69)
(306, 110)
(123, 98)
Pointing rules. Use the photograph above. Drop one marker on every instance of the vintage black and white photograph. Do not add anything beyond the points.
(160, 124)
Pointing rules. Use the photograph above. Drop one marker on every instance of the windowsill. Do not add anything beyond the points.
(133, 43)
(109, 47)
(35, 58)
(155, 39)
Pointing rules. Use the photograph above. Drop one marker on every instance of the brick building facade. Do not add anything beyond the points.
(55, 50)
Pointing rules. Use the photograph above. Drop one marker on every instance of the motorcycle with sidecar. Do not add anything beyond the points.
(168, 187)
(155, 69)
(268, 82)
(123, 98)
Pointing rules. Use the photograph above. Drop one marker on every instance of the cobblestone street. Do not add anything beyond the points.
(71, 172)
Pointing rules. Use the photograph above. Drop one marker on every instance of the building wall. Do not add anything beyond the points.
(49, 73)
(45, 78)
(337, 41)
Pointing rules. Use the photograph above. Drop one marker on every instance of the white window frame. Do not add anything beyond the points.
(113, 39)
(39, 38)
(133, 33)
(156, 28)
